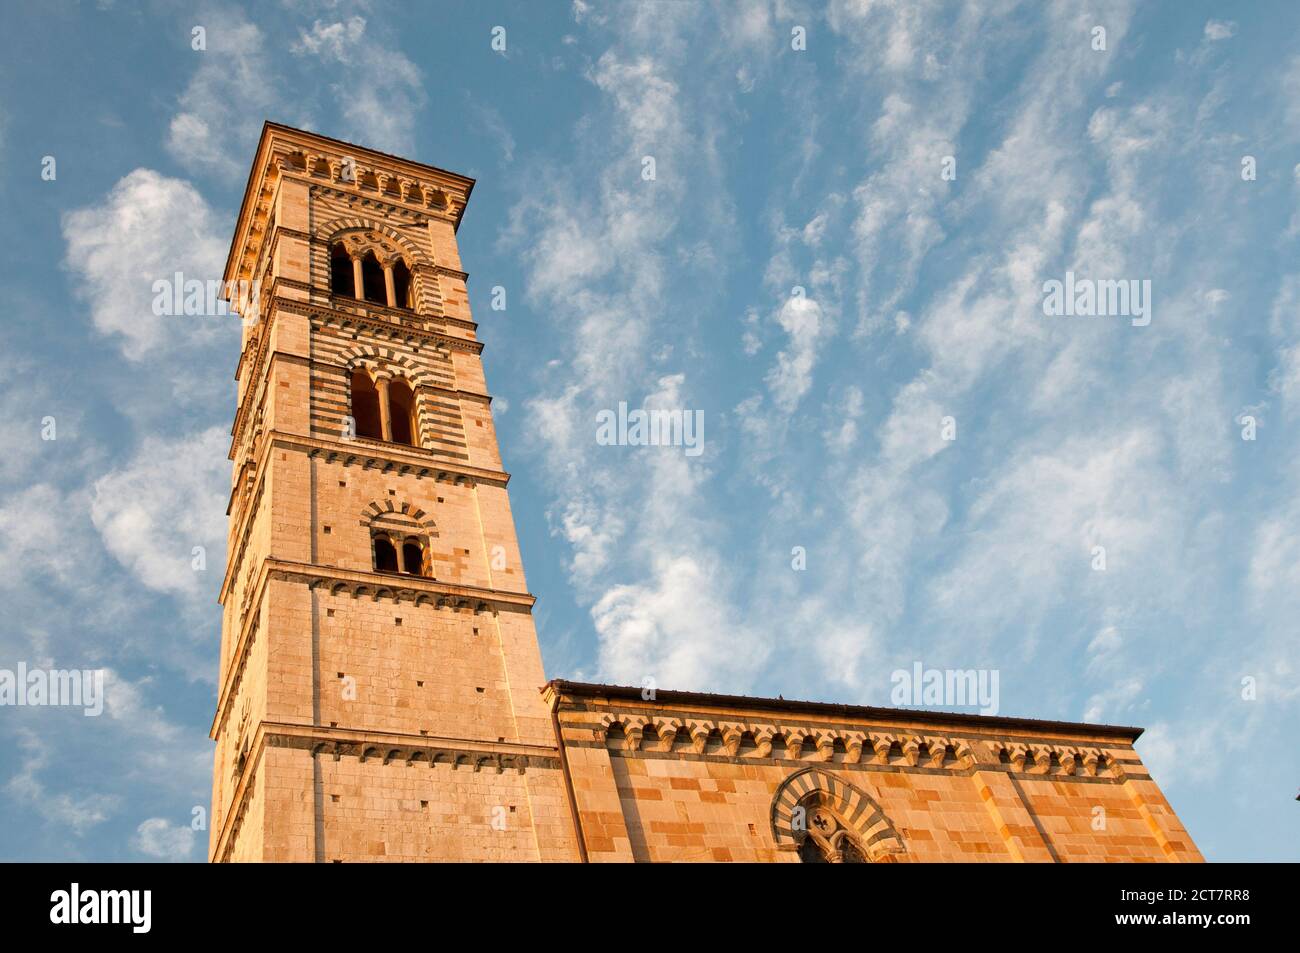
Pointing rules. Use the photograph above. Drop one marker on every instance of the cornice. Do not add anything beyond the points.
(370, 455)
(385, 747)
(674, 734)
(384, 331)
(418, 590)
(390, 458)
(624, 697)
(388, 204)
(394, 328)
(278, 138)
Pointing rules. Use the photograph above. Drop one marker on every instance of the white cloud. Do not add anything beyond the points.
(146, 229)
(76, 814)
(126, 705)
(380, 90)
(231, 92)
(1289, 89)
(750, 341)
(36, 530)
(1109, 706)
(842, 432)
(592, 535)
(606, 248)
(1033, 530)
(1216, 30)
(170, 498)
(494, 125)
(675, 630)
(1274, 570)
(158, 837)
(801, 318)
(815, 230)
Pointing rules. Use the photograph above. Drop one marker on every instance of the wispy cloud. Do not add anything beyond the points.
(163, 511)
(380, 91)
(148, 228)
(232, 90)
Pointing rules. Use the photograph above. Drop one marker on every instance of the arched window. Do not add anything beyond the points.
(811, 852)
(365, 406)
(385, 554)
(822, 817)
(850, 852)
(401, 412)
(341, 271)
(827, 839)
(403, 287)
(372, 277)
(413, 556)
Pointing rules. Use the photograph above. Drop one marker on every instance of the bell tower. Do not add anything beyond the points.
(379, 693)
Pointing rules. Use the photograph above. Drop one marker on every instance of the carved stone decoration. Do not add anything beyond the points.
(732, 735)
(881, 745)
(667, 734)
(700, 737)
(838, 805)
(853, 747)
(793, 745)
(938, 751)
(826, 747)
(965, 754)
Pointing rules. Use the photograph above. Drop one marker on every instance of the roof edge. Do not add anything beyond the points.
(591, 689)
(269, 128)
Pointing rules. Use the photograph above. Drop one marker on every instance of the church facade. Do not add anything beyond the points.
(381, 692)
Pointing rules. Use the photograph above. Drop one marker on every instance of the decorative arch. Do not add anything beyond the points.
(378, 360)
(400, 539)
(385, 385)
(857, 812)
(387, 511)
(376, 235)
(385, 256)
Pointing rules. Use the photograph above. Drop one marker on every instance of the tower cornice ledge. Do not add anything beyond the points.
(391, 321)
(278, 139)
(387, 458)
(417, 589)
(392, 746)
(369, 455)
(383, 746)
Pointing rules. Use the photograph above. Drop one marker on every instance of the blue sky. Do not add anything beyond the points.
(775, 168)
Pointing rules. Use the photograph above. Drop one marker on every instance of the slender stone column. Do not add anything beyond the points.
(401, 554)
(385, 421)
(389, 288)
(358, 280)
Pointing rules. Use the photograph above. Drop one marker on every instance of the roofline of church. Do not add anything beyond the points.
(255, 170)
(857, 712)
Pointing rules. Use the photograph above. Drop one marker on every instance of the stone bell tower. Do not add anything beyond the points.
(379, 688)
